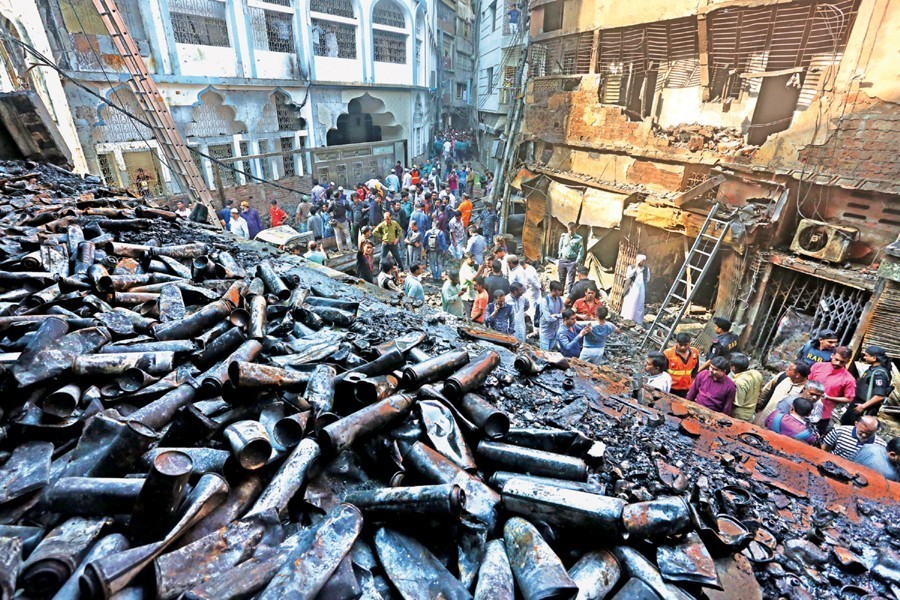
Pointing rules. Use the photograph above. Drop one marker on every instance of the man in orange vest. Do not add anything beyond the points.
(684, 361)
(465, 207)
(415, 175)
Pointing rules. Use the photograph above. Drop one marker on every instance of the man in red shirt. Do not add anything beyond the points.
(840, 386)
(415, 175)
(587, 307)
(277, 216)
(481, 300)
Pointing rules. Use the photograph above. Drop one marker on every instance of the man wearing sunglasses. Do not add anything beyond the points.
(840, 386)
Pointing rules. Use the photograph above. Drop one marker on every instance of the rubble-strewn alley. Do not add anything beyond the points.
(187, 416)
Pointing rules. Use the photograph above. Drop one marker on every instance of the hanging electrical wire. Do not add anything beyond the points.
(44, 61)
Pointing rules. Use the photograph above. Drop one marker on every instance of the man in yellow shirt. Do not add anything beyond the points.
(390, 233)
(748, 384)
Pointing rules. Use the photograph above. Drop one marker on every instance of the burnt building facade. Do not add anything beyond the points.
(640, 118)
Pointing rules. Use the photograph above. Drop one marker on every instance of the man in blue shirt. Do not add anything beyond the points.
(412, 286)
(570, 335)
(225, 214)
(419, 217)
(820, 348)
(499, 315)
(477, 245)
(376, 211)
(489, 222)
(315, 223)
(595, 339)
(883, 459)
(551, 315)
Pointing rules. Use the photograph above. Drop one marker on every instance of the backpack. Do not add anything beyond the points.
(776, 427)
(432, 242)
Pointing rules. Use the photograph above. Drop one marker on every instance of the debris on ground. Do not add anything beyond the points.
(190, 415)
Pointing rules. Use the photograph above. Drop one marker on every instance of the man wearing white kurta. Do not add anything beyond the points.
(636, 278)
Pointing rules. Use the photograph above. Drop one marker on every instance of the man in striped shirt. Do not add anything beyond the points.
(846, 440)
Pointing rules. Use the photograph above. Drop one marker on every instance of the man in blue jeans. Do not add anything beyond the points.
(551, 315)
(390, 233)
(594, 345)
(570, 254)
(435, 244)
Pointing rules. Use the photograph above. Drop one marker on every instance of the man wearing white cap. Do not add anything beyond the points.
(237, 225)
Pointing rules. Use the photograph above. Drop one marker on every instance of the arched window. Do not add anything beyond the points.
(389, 32)
(334, 25)
(117, 126)
(388, 13)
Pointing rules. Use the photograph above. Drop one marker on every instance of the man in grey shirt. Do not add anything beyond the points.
(315, 223)
(477, 244)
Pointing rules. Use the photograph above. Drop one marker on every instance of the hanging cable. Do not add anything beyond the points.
(48, 63)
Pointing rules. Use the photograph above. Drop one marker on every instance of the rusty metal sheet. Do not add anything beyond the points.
(523, 176)
(27, 470)
(565, 202)
(602, 209)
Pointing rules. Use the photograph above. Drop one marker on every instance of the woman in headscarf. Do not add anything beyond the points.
(636, 278)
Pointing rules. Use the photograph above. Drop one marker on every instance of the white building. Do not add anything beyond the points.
(267, 79)
(502, 38)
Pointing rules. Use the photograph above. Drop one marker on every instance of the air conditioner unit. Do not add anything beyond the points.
(823, 241)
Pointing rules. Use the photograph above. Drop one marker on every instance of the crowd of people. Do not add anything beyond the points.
(427, 226)
(454, 144)
(815, 400)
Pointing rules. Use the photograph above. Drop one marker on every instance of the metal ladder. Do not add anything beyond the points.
(156, 112)
(689, 278)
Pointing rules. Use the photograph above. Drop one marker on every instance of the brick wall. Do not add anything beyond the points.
(260, 195)
(865, 145)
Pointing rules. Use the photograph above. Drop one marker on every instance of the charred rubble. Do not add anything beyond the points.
(187, 416)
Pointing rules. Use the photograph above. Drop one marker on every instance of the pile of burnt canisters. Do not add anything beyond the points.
(179, 424)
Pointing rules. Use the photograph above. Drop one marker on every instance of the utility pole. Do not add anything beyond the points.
(157, 114)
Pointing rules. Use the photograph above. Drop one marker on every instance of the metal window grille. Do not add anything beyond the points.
(338, 8)
(119, 127)
(280, 2)
(288, 117)
(265, 163)
(272, 31)
(199, 22)
(211, 118)
(106, 169)
(388, 13)
(565, 55)
(244, 150)
(509, 76)
(830, 306)
(287, 158)
(337, 40)
(221, 152)
(772, 38)
(389, 47)
(198, 161)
